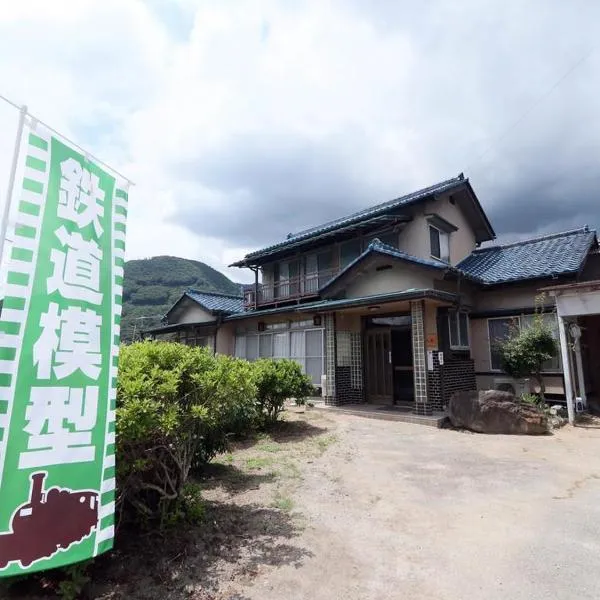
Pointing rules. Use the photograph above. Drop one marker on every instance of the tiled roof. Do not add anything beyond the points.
(550, 255)
(363, 215)
(378, 247)
(217, 303)
(381, 248)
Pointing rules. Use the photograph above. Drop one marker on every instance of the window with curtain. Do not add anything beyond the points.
(265, 345)
(240, 346)
(252, 347)
(297, 348)
(314, 354)
(305, 346)
(311, 271)
(294, 274)
(282, 280)
(281, 345)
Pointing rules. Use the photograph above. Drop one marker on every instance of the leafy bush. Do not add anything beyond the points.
(227, 390)
(276, 381)
(526, 351)
(176, 406)
(533, 399)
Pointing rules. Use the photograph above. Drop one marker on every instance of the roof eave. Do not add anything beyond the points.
(255, 259)
(477, 203)
(370, 251)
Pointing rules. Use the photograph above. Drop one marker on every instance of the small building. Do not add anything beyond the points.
(401, 303)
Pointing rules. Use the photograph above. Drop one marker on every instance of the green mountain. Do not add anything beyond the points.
(152, 285)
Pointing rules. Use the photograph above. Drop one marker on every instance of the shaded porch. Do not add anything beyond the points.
(390, 359)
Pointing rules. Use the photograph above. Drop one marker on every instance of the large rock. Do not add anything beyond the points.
(492, 411)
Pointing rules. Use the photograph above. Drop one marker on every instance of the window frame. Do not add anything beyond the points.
(507, 318)
(440, 233)
(288, 331)
(454, 316)
(518, 318)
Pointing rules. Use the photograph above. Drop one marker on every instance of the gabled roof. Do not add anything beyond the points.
(213, 302)
(552, 255)
(369, 214)
(378, 248)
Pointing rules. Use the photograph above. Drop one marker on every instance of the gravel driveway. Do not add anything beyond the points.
(394, 510)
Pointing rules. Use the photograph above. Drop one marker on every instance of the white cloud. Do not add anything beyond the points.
(241, 121)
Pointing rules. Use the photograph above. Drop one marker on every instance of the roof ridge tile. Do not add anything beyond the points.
(210, 293)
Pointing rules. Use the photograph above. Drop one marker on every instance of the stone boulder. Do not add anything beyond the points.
(493, 411)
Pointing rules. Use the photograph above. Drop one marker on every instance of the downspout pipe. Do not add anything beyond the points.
(218, 325)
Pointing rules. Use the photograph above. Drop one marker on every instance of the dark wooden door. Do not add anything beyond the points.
(378, 360)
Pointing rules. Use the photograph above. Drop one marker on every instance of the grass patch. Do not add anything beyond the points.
(259, 462)
(268, 447)
(325, 441)
(284, 503)
(291, 470)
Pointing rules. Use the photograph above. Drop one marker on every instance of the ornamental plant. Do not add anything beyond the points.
(276, 381)
(527, 349)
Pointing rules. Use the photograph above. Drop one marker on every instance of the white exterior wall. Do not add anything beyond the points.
(414, 239)
(400, 277)
(510, 296)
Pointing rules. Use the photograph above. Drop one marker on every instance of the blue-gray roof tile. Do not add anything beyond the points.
(550, 255)
(217, 303)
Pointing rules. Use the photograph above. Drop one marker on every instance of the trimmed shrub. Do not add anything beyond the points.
(176, 406)
(276, 381)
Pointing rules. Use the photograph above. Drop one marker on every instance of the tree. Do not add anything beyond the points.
(276, 381)
(527, 349)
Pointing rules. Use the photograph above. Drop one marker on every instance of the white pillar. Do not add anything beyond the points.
(580, 379)
(564, 351)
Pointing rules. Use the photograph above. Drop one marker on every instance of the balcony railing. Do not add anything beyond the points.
(293, 288)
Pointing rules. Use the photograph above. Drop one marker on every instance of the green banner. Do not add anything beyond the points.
(59, 341)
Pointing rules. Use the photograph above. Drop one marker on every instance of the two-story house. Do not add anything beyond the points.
(395, 304)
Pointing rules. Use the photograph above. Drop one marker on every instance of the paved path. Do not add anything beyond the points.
(403, 511)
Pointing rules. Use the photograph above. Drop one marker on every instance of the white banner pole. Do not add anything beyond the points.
(11, 180)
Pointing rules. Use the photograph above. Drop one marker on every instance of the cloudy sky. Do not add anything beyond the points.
(241, 121)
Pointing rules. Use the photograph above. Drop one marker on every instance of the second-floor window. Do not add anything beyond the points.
(350, 251)
(440, 243)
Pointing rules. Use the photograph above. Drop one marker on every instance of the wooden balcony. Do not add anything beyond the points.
(288, 290)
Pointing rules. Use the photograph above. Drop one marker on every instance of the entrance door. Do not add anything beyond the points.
(402, 360)
(378, 359)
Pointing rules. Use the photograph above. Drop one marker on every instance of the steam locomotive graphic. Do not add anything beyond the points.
(50, 521)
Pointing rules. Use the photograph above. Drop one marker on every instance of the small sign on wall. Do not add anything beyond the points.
(431, 341)
(429, 360)
(441, 358)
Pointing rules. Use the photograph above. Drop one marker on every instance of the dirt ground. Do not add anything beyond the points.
(333, 506)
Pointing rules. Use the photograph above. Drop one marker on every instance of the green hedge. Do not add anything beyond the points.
(177, 407)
